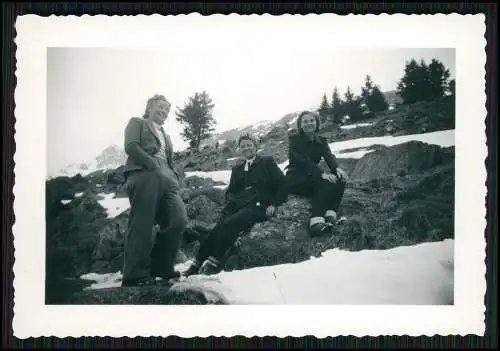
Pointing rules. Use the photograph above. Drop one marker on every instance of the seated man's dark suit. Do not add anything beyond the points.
(247, 197)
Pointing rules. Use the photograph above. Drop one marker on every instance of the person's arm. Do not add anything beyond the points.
(170, 156)
(296, 156)
(329, 157)
(278, 184)
(231, 189)
(133, 142)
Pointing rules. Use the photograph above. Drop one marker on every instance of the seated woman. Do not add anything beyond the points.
(257, 186)
(304, 176)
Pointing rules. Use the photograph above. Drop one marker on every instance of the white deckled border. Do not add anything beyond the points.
(464, 33)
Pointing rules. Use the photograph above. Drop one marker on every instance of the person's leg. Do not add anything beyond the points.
(336, 191)
(230, 229)
(143, 190)
(207, 245)
(172, 218)
(312, 189)
(322, 193)
(233, 226)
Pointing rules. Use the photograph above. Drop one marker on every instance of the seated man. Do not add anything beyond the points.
(256, 187)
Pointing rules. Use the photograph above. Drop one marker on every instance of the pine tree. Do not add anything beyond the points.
(336, 106)
(367, 89)
(422, 81)
(451, 87)
(408, 85)
(372, 98)
(324, 109)
(376, 101)
(197, 118)
(352, 105)
(349, 96)
(438, 79)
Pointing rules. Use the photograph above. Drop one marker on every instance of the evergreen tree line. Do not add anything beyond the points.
(420, 82)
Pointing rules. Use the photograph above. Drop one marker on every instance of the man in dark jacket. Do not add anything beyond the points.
(256, 188)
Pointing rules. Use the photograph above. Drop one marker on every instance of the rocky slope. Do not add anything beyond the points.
(396, 196)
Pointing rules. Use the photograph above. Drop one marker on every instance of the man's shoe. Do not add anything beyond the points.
(320, 229)
(147, 281)
(341, 220)
(210, 266)
(192, 270)
(331, 217)
(168, 277)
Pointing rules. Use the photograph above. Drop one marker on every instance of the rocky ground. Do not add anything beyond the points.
(396, 196)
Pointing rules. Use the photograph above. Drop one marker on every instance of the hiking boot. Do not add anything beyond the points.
(341, 220)
(331, 217)
(169, 276)
(331, 220)
(192, 270)
(210, 266)
(147, 281)
(321, 228)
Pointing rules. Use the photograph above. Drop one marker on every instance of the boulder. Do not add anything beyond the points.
(107, 257)
(195, 182)
(408, 158)
(202, 209)
(213, 194)
(115, 176)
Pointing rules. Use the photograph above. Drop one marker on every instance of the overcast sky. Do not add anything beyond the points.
(92, 92)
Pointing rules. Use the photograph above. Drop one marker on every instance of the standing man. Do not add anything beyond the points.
(153, 189)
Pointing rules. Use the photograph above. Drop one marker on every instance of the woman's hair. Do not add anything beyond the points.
(153, 100)
(247, 136)
(301, 116)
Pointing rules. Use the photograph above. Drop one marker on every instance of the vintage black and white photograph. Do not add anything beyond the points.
(216, 179)
(253, 172)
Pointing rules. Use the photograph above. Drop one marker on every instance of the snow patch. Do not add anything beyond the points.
(103, 281)
(443, 138)
(65, 202)
(354, 154)
(222, 187)
(409, 275)
(78, 194)
(352, 126)
(114, 207)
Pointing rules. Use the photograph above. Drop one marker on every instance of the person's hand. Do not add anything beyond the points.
(329, 177)
(270, 210)
(341, 174)
(156, 163)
